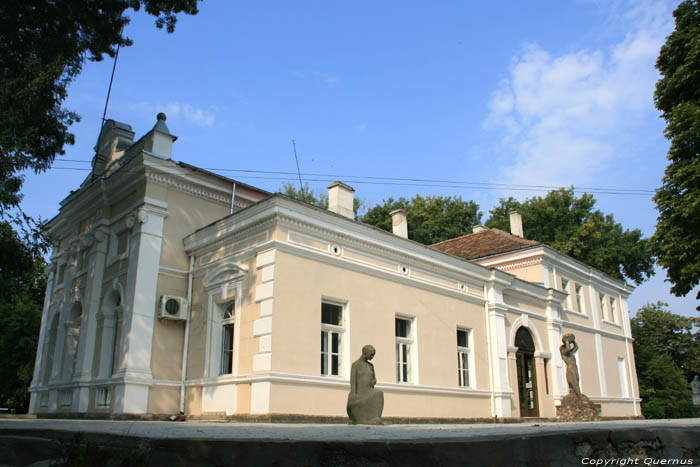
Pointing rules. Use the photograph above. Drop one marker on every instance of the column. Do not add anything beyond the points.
(136, 340)
(97, 242)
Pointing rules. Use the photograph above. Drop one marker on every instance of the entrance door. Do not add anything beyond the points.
(527, 376)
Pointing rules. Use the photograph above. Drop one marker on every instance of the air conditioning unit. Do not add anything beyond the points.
(173, 308)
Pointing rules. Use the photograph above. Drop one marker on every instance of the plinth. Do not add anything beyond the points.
(575, 409)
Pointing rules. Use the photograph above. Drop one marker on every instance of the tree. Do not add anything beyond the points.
(307, 195)
(431, 219)
(667, 354)
(572, 226)
(43, 46)
(676, 242)
(22, 287)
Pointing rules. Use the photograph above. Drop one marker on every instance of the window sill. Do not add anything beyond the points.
(612, 324)
(577, 313)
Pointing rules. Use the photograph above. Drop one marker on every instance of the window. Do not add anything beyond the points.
(60, 275)
(613, 309)
(83, 259)
(404, 341)
(603, 308)
(623, 377)
(331, 338)
(227, 338)
(565, 288)
(102, 398)
(579, 299)
(122, 242)
(463, 357)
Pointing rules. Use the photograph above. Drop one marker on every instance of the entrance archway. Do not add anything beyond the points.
(527, 376)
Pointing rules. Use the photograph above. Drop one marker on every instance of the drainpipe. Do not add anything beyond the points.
(187, 335)
(233, 197)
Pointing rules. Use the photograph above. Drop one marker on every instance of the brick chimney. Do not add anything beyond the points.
(399, 224)
(516, 224)
(340, 199)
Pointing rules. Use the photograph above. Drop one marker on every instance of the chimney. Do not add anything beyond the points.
(479, 228)
(159, 140)
(516, 224)
(340, 199)
(399, 225)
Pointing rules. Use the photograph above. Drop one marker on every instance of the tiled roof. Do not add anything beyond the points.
(484, 243)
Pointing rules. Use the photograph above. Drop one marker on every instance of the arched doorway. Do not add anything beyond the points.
(527, 377)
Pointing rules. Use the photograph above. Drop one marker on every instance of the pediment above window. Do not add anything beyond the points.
(223, 273)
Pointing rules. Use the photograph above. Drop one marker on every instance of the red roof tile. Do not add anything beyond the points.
(484, 243)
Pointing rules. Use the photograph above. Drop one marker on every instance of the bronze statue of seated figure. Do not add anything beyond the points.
(365, 403)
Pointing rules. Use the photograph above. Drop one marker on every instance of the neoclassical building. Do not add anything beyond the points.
(175, 289)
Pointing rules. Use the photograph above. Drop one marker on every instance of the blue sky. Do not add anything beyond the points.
(517, 93)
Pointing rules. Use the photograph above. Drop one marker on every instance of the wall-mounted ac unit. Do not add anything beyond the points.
(173, 308)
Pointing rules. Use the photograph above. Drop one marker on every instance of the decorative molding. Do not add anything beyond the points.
(190, 189)
(520, 264)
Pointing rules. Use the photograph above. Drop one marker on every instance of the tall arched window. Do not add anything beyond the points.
(50, 348)
(70, 341)
(227, 322)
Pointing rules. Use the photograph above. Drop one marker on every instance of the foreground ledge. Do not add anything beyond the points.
(662, 442)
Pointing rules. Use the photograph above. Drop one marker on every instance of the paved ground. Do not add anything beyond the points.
(332, 432)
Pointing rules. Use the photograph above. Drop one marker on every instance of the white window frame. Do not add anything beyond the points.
(327, 332)
(578, 293)
(622, 371)
(465, 351)
(228, 320)
(405, 360)
(565, 284)
(219, 296)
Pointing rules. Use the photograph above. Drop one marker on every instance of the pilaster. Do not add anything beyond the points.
(34, 398)
(136, 340)
(499, 353)
(262, 329)
(97, 243)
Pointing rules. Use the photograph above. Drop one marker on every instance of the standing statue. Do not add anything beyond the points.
(365, 404)
(575, 406)
(567, 351)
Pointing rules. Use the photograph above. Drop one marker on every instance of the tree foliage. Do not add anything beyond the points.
(676, 242)
(667, 354)
(431, 219)
(43, 46)
(572, 226)
(22, 286)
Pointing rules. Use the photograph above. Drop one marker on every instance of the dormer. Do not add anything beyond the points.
(115, 138)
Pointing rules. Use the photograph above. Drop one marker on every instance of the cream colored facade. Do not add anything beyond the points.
(248, 338)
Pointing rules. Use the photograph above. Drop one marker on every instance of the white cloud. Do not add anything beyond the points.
(563, 117)
(179, 111)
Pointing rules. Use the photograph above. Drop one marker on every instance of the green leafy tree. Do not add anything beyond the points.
(317, 199)
(431, 219)
(676, 242)
(22, 287)
(43, 46)
(667, 355)
(572, 226)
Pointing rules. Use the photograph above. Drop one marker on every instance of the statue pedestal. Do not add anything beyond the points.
(573, 409)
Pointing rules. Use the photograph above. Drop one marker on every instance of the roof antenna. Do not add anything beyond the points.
(297, 159)
(111, 80)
